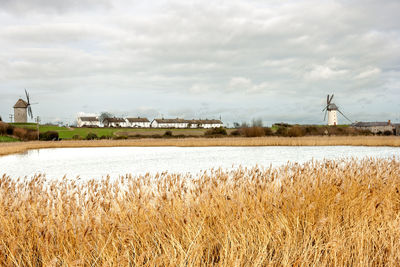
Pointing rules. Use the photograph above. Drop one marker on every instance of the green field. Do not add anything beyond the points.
(68, 133)
(7, 139)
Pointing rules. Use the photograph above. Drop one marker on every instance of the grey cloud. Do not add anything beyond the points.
(57, 6)
(230, 54)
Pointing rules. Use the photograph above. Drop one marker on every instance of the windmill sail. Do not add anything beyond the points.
(331, 108)
(28, 101)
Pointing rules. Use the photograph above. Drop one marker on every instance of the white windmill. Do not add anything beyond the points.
(331, 109)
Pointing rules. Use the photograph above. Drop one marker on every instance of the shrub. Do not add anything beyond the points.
(268, 131)
(313, 130)
(91, 136)
(31, 135)
(120, 137)
(168, 133)
(5, 128)
(282, 131)
(255, 131)
(387, 133)
(76, 137)
(104, 137)
(235, 133)
(295, 131)
(20, 133)
(216, 132)
(49, 136)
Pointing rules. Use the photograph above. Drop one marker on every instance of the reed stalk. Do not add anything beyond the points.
(329, 213)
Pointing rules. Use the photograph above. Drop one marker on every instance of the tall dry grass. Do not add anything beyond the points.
(341, 213)
(10, 148)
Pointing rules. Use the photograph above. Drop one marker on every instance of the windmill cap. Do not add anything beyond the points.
(332, 107)
(21, 104)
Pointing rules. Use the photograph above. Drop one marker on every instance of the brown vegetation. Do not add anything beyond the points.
(20, 133)
(286, 130)
(10, 148)
(318, 214)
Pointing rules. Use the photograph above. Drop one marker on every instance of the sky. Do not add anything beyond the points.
(237, 59)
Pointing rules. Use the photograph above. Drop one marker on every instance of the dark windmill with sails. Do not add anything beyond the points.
(22, 109)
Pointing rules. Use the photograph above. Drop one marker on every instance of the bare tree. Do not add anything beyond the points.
(257, 123)
(104, 115)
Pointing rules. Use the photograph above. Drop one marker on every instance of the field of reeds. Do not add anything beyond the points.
(10, 148)
(332, 213)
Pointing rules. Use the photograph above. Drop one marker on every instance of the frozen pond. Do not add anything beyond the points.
(115, 161)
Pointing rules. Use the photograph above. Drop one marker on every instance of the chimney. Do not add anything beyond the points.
(388, 122)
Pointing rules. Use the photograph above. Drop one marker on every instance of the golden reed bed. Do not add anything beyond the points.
(343, 213)
(18, 147)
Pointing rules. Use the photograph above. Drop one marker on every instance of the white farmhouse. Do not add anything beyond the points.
(138, 122)
(88, 122)
(114, 122)
(205, 123)
(169, 123)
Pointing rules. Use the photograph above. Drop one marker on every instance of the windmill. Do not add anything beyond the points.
(22, 109)
(331, 109)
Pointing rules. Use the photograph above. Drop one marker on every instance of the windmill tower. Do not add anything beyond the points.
(332, 110)
(22, 109)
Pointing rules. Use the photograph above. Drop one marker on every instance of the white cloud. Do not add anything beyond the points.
(371, 72)
(320, 72)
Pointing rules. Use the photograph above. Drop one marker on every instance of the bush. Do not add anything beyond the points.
(255, 131)
(104, 137)
(235, 133)
(168, 133)
(5, 128)
(20, 133)
(32, 135)
(76, 137)
(282, 131)
(387, 133)
(295, 131)
(91, 136)
(216, 132)
(120, 137)
(313, 130)
(49, 136)
(268, 131)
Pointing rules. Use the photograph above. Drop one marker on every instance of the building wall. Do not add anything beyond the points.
(212, 126)
(155, 124)
(377, 129)
(20, 115)
(139, 124)
(332, 117)
(81, 123)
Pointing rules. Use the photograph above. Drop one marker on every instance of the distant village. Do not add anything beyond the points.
(145, 123)
(22, 109)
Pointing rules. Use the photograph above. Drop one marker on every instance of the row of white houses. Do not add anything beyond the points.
(145, 123)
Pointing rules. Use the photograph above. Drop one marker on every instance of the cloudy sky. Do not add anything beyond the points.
(238, 59)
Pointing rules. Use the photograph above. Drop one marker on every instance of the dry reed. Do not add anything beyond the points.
(341, 213)
(18, 147)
